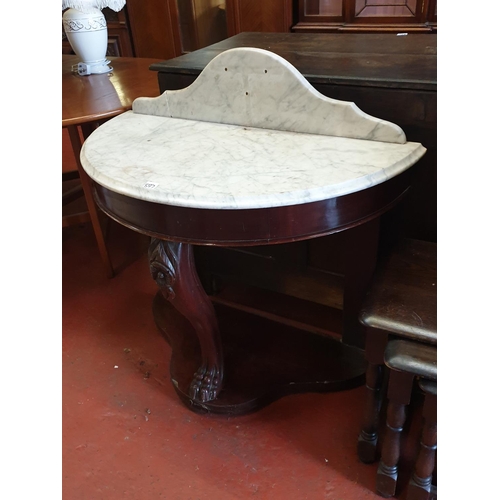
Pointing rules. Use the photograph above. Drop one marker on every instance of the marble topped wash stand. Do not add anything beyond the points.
(249, 154)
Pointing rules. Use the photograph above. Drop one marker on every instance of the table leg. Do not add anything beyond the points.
(172, 267)
(360, 261)
(76, 145)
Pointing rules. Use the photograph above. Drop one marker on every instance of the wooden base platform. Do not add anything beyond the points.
(263, 360)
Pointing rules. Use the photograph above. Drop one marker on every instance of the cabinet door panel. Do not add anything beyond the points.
(385, 8)
(323, 16)
(259, 16)
(323, 7)
(155, 28)
(391, 11)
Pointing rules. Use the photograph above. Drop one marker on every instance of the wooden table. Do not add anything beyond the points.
(87, 101)
(250, 154)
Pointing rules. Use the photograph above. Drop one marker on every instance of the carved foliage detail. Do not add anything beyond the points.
(163, 263)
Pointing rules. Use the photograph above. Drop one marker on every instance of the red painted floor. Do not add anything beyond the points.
(126, 435)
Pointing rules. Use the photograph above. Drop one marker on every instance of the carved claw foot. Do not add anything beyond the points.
(205, 385)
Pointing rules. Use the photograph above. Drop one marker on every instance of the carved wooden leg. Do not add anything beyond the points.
(421, 480)
(399, 395)
(172, 267)
(368, 437)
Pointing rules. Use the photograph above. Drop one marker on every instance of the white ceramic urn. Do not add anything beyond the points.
(88, 36)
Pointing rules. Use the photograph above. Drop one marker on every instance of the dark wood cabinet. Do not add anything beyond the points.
(201, 23)
(154, 27)
(323, 16)
(119, 39)
(259, 16)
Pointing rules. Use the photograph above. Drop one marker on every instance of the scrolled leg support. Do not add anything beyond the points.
(172, 267)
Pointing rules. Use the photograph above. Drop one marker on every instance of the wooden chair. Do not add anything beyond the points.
(74, 209)
(73, 191)
(405, 361)
(78, 205)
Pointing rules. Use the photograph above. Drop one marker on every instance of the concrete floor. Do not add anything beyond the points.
(127, 435)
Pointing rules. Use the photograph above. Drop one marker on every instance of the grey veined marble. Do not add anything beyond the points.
(250, 132)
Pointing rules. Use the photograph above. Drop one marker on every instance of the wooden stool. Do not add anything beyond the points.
(401, 303)
(405, 361)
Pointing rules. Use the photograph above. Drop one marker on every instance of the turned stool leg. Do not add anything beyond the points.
(421, 480)
(368, 437)
(399, 395)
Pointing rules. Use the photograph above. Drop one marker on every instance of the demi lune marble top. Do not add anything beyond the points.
(250, 132)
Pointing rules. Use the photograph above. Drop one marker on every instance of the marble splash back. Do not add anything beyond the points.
(256, 88)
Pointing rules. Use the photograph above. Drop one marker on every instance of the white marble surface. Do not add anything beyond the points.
(257, 88)
(250, 132)
(209, 165)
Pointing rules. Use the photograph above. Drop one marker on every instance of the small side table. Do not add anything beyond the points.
(87, 101)
(249, 154)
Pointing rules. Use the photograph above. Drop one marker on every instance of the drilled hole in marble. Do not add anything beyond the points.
(246, 93)
(225, 69)
(265, 71)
